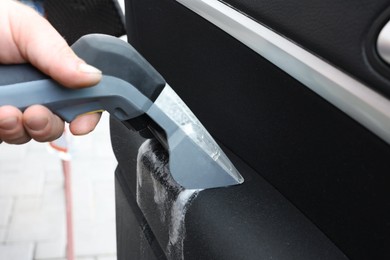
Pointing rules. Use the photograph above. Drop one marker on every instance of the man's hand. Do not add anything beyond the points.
(28, 37)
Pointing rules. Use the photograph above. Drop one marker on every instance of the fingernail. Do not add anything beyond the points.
(86, 68)
(37, 123)
(9, 123)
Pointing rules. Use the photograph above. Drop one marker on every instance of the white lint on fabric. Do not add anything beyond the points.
(177, 230)
(163, 202)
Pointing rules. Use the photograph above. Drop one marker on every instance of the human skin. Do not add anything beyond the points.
(26, 37)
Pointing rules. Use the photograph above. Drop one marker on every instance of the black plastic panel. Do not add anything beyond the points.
(327, 165)
(341, 32)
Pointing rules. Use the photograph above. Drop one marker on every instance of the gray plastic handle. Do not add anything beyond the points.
(121, 99)
(129, 86)
(117, 58)
(111, 55)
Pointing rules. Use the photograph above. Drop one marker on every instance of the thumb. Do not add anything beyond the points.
(41, 45)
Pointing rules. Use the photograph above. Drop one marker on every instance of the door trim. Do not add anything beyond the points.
(351, 96)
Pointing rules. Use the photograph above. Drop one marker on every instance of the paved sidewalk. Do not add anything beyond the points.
(32, 207)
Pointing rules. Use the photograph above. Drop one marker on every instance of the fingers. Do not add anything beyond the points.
(41, 124)
(11, 126)
(84, 124)
(36, 122)
(40, 44)
(28, 37)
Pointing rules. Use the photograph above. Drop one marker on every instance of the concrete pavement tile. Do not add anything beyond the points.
(34, 147)
(53, 167)
(27, 204)
(35, 177)
(37, 225)
(54, 196)
(39, 161)
(5, 211)
(54, 172)
(95, 170)
(38, 217)
(109, 257)
(15, 158)
(104, 194)
(92, 148)
(103, 149)
(93, 200)
(52, 199)
(28, 180)
(83, 201)
(77, 258)
(10, 157)
(17, 251)
(50, 250)
(13, 152)
(82, 145)
(16, 152)
(9, 166)
(93, 238)
(28, 183)
(2, 235)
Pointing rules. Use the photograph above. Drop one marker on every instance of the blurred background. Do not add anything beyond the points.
(32, 195)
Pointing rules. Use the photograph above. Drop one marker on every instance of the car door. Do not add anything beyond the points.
(297, 94)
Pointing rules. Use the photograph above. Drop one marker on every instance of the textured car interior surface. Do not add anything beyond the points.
(317, 182)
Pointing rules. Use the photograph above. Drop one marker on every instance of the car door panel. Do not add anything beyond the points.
(310, 169)
(238, 222)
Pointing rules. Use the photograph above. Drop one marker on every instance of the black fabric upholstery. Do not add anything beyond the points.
(248, 221)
